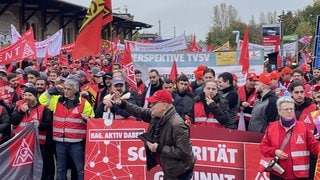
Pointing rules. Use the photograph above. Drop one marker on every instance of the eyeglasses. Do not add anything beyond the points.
(288, 109)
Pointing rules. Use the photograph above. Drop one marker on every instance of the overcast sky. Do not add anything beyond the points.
(194, 16)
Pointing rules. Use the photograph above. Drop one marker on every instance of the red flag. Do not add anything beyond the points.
(127, 63)
(21, 49)
(210, 48)
(276, 49)
(174, 72)
(193, 45)
(87, 42)
(308, 57)
(45, 59)
(244, 56)
(115, 44)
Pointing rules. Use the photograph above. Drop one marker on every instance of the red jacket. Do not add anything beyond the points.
(306, 116)
(200, 117)
(36, 113)
(298, 148)
(68, 125)
(243, 98)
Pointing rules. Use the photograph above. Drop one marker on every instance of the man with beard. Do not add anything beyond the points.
(154, 85)
(104, 82)
(14, 83)
(182, 97)
(41, 85)
(248, 96)
(140, 86)
(106, 61)
(264, 110)
(315, 77)
(29, 110)
(118, 85)
(303, 106)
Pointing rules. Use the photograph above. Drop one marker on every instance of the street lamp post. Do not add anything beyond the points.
(237, 33)
(281, 36)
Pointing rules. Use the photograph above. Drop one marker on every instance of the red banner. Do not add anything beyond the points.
(19, 50)
(224, 154)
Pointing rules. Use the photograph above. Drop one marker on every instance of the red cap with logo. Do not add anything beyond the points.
(161, 96)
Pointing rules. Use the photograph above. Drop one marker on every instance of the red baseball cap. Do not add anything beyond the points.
(161, 96)
(274, 74)
(264, 78)
(251, 76)
(286, 70)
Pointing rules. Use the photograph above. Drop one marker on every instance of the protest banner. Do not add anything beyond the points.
(113, 151)
(21, 156)
(24, 47)
(187, 62)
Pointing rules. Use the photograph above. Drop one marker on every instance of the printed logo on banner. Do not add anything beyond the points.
(27, 51)
(24, 155)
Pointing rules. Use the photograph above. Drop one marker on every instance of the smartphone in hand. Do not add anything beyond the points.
(145, 137)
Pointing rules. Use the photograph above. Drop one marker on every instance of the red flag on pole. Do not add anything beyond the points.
(45, 59)
(127, 63)
(88, 40)
(174, 72)
(193, 45)
(244, 56)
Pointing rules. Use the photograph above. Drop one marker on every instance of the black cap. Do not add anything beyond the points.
(32, 91)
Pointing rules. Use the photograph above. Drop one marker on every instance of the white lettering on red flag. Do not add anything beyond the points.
(24, 155)
(19, 50)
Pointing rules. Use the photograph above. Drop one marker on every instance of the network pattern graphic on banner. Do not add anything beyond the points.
(113, 152)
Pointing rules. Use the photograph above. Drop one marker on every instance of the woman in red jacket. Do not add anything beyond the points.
(292, 154)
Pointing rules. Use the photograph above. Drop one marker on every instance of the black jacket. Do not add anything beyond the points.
(5, 128)
(174, 145)
(183, 103)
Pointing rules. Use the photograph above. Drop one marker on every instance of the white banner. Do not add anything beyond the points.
(15, 34)
(174, 44)
(53, 44)
(290, 47)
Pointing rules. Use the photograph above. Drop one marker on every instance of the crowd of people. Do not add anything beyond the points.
(61, 95)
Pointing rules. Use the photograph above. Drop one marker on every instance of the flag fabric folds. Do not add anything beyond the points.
(24, 47)
(193, 45)
(89, 37)
(127, 64)
(173, 72)
(305, 40)
(21, 156)
(244, 56)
